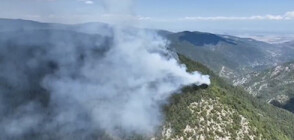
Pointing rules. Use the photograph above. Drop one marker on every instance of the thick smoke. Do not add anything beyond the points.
(58, 84)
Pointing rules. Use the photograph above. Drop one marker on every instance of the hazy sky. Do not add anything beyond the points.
(222, 16)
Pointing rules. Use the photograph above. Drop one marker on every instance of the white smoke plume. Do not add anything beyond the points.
(126, 87)
(81, 86)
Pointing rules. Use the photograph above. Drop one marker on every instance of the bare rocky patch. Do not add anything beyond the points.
(213, 121)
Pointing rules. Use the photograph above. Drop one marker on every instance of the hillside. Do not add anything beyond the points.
(243, 61)
(223, 112)
(28, 25)
(273, 85)
(290, 44)
(229, 56)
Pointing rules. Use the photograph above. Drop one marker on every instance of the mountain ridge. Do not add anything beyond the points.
(198, 113)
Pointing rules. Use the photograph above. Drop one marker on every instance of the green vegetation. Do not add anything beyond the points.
(229, 56)
(266, 121)
(275, 84)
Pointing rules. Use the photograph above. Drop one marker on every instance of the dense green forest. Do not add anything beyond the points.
(267, 121)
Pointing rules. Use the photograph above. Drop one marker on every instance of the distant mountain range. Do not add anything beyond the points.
(229, 56)
(23, 25)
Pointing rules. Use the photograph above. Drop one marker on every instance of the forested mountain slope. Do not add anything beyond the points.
(223, 111)
(274, 85)
(228, 56)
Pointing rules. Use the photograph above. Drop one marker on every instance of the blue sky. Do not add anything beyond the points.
(220, 16)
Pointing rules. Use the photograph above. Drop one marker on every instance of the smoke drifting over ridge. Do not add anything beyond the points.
(58, 84)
